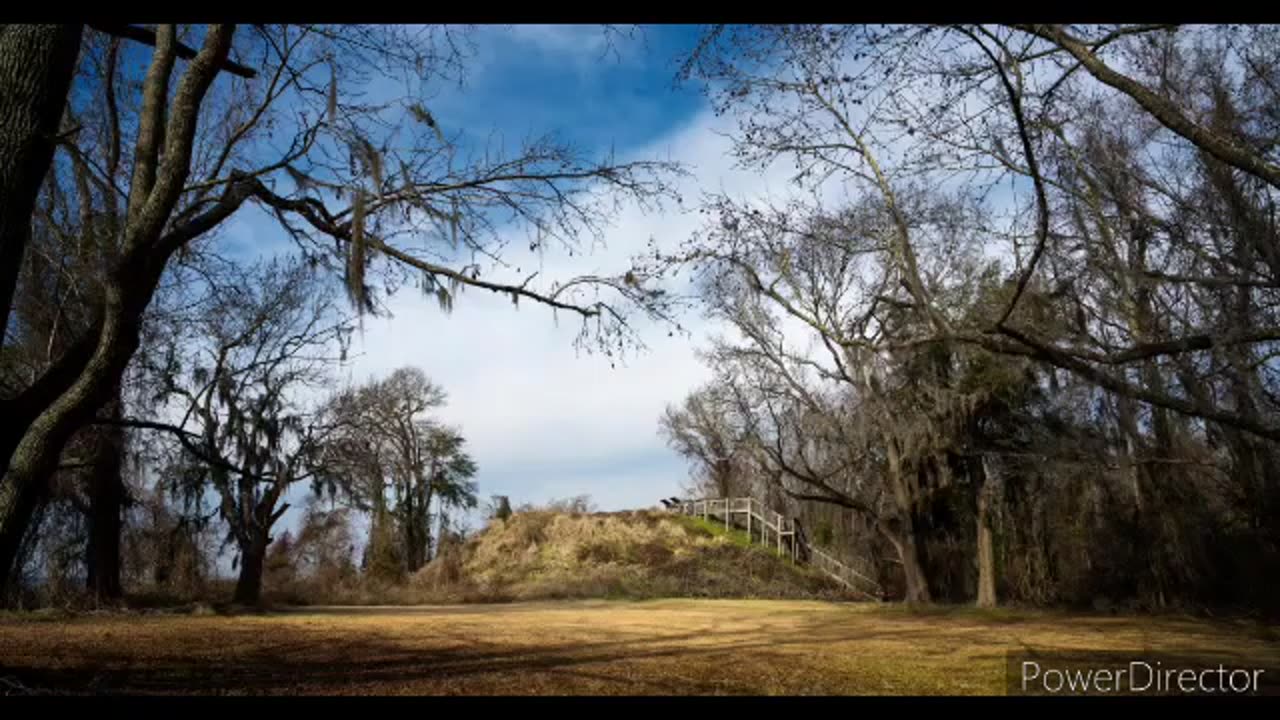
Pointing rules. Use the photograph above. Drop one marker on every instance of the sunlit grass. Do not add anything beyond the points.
(598, 647)
(716, 528)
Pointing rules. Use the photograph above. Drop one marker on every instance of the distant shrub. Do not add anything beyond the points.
(579, 505)
(500, 509)
(542, 555)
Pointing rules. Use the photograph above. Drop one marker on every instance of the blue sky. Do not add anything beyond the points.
(544, 421)
(530, 79)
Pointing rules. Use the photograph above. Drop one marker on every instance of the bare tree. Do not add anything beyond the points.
(36, 66)
(364, 187)
(994, 206)
(701, 431)
(393, 460)
(244, 430)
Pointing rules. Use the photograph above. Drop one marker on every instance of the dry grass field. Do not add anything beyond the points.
(581, 647)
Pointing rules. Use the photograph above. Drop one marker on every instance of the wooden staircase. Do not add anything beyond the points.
(774, 531)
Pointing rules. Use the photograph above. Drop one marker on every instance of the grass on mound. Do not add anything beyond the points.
(627, 555)
(714, 528)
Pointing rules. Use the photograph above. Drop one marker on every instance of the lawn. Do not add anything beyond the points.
(583, 647)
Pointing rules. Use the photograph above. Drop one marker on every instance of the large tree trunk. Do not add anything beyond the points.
(986, 545)
(104, 537)
(37, 64)
(416, 517)
(903, 537)
(18, 503)
(106, 503)
(129, 288)
(252, 560)
(917, 584)
(383, 554)
(409, 528)
(425, 555)
(36, 455)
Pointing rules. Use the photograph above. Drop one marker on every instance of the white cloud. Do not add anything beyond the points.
(532, 407)
(568, 39)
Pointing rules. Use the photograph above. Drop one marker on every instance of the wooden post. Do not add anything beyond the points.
(728, 510)
(778, 521)
(706, 511)
(748, 521)
(795, 541)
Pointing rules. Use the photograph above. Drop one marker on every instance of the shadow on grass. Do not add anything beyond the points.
(642, 659)
(688, 663)
(343, 665)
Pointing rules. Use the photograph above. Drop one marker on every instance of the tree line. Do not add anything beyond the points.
(1013, 339)
(1010, 339)
(150, 361)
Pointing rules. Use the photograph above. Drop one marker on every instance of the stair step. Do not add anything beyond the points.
(723, 509)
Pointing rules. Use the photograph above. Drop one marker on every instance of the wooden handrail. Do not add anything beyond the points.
(816, 557)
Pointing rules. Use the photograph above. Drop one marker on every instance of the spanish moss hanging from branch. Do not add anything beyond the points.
(356, 288)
